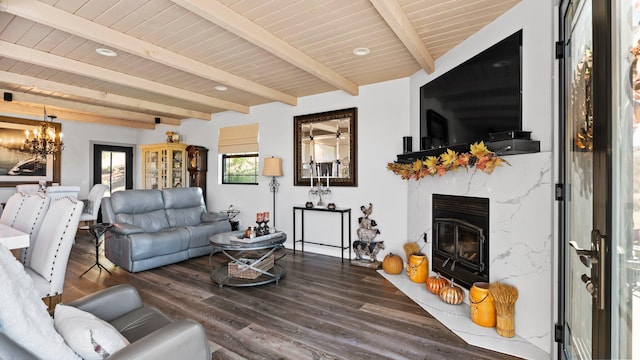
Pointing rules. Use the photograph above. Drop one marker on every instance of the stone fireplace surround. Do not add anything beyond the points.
(521, 249)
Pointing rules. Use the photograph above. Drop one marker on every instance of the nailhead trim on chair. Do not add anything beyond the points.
(58, 248)
(13, 221)
(26, 250)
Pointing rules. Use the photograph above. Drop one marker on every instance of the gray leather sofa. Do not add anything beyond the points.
(151, 334)
(153, 228)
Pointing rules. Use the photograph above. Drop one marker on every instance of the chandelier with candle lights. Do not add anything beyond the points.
(43, 140)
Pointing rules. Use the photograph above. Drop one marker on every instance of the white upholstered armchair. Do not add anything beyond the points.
(11, 208)
(29, 219)
(50, 252)
(92, 205)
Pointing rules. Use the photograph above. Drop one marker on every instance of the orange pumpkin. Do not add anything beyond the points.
(436, 283)
(392, 264)
(452, 294)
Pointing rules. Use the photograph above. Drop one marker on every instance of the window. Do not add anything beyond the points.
(238, 146)
(240, 168)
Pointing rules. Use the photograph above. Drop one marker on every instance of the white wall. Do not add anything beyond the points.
(383, 119)
(76, 160)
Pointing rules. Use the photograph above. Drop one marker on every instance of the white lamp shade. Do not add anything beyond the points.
(272, 167)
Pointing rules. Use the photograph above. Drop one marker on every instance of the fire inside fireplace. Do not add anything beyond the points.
(461, 238)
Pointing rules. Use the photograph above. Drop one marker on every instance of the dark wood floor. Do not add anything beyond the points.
(321, 309)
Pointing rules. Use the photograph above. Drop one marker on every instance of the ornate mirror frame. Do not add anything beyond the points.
(349, 115)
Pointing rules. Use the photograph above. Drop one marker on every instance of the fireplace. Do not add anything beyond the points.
(460, 238)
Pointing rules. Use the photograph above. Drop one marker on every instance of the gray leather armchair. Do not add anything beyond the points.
(151, 334)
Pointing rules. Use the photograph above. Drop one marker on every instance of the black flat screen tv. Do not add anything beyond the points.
(483, 95)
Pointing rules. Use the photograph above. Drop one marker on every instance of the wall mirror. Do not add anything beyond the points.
(325, 147)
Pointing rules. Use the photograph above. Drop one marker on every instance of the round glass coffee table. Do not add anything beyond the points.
(251, 261)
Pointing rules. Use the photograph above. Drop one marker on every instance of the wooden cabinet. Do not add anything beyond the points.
(197, 167)
(164, 165)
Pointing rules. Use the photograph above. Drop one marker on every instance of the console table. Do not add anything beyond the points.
(341, 211)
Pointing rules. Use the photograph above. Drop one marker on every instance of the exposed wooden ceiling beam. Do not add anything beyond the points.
(41, 58)
(398, 21)
(239, 25)
(76, 25)
(36, 110)
(88, 108)
(101, 98)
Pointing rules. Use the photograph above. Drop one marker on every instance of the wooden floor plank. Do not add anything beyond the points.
(321, 309)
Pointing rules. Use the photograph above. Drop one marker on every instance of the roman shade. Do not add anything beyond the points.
(238, 139)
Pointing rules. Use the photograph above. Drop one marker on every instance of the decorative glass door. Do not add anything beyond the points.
(113, 166)
(584, 175)
(625, 273)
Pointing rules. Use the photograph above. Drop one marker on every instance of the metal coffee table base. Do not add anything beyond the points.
(240, 253)
(220, 276)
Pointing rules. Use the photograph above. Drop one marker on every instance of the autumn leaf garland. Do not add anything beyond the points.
(479, 157)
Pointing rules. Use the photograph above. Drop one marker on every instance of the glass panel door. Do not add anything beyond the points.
(113, 166)
(578, 149)
(625, 317)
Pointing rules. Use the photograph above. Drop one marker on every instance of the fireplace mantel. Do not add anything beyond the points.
(501, 148)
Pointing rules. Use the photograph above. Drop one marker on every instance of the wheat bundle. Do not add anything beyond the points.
(410, 248)
(504, 297)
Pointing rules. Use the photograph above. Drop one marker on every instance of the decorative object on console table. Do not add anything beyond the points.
(319, 191)
(273, 167)
(197, 167)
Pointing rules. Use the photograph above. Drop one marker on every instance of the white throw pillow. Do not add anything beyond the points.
(23, 315)
(89, 336)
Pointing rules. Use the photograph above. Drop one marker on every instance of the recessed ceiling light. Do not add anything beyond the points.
(106, 52)
(361, 51)
(221, 88)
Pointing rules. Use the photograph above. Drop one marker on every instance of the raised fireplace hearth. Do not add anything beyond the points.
(461, 238)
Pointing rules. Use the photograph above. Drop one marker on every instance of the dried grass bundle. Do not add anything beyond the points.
(504, 297)
(411, 248)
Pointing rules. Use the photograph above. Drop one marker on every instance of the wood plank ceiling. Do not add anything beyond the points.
(171, 54)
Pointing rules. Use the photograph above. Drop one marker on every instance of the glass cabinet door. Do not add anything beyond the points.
(178, 168)
(151, 169)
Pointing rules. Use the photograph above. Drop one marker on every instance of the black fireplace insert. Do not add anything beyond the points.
(461, 238)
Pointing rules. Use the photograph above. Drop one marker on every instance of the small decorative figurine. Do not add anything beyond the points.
(172, 137)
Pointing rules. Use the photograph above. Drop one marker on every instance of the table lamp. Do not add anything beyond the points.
(273, 167)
